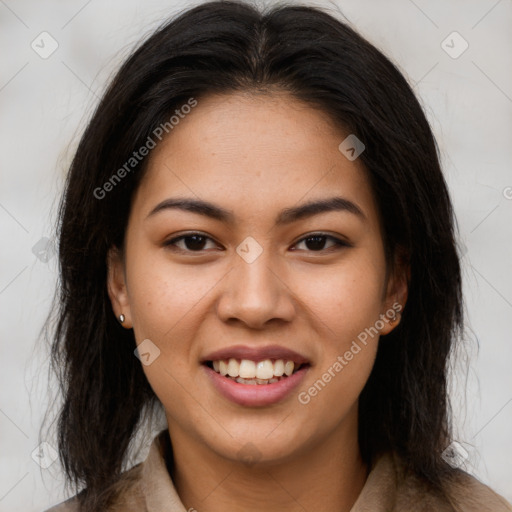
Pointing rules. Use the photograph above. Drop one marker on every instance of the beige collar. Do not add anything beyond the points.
(157, 486)
(161, 496)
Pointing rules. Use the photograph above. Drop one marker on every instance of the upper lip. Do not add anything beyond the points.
(256, 354)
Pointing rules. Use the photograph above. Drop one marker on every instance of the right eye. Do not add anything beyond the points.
(191, 242)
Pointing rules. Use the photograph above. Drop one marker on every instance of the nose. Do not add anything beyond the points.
(256, 293)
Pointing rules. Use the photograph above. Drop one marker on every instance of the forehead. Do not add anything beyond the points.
(254, 153)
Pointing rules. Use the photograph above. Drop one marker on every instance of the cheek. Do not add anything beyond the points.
(167, 307)
(165, 303)
(346, 304)
(347, 298)
(164, 296)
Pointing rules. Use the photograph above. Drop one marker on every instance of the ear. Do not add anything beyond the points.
(116, 285)
(396, 293)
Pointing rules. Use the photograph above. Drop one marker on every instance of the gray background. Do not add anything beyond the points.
(44, 104)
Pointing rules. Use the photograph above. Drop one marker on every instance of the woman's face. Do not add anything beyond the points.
(264, 279)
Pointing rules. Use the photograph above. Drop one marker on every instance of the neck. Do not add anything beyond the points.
(328, 476)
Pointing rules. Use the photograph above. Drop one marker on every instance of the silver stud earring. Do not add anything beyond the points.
(121, 318)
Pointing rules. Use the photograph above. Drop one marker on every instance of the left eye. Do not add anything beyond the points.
(316, 242)
(195, 242)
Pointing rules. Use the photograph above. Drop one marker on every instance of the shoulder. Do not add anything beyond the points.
(463, 493)
(70, 505)
(130, 498)
(146, 485)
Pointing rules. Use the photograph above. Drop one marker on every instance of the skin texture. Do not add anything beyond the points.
(256, 155)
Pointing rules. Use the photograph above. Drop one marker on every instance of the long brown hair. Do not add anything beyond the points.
(223, 47)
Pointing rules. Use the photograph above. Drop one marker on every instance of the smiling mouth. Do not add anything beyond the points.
(245, 371)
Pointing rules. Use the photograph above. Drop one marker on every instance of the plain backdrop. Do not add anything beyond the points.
(45, 103)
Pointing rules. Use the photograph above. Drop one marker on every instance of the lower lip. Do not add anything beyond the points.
(255, 395)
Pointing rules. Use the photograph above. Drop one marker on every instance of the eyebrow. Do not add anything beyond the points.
(286, 216)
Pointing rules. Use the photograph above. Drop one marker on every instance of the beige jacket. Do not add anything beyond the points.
(384, 491)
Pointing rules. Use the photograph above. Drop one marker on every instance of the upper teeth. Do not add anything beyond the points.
(248, 369)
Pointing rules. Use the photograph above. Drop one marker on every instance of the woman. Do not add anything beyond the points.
(256, 236)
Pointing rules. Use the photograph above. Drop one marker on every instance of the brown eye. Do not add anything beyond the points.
(317, 241)
(194, 242)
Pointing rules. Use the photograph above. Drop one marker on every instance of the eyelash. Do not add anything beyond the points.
(338, 243)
